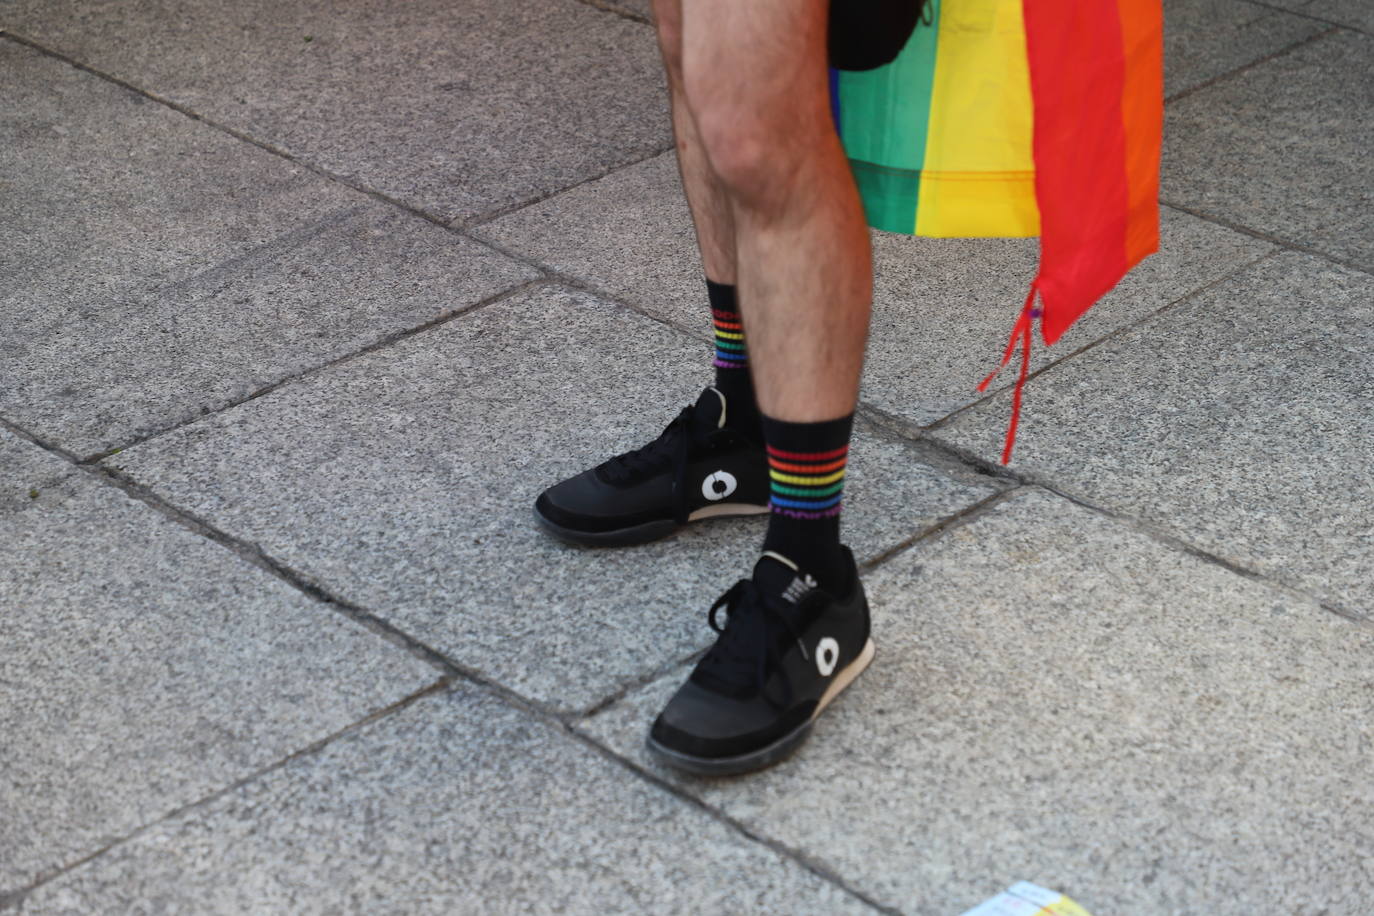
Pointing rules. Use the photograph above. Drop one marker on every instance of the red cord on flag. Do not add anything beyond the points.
(1020, 336)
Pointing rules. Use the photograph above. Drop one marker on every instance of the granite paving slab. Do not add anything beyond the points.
(942, 307)
(1205, 38)
(1283, 148)
(103, 193)
(456, 804)
(143, 667)
(455, 109)
(26, 470)
(1058, 698)
(404, 479)
(1243, 421)
(97, 374)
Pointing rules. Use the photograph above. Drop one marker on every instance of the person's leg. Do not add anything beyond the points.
(710, 207)
(797, 632)
(710, 461)
(756, 81)
(713, 220)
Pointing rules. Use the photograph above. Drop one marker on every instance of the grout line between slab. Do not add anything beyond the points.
(802, 858)
(617, 11)
(959, 519)
(555, 275)
(1302, 14)
(1259, 61)
(278, 246)
(1020, 480)
(628, 687)
(378, 344)
(1286, 244)
(949, 418)
(462, 224)
(224, 128)
(447, 222)
(254, 554)
(1162, 535)
(15, 898)
(1159, 534)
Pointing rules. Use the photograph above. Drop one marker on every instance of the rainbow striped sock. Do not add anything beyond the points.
(733, 380)
(731, 352)
(807, 485)
(806, 469)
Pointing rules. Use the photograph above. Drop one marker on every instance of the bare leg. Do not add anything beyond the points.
(711, 212)
(755, 80)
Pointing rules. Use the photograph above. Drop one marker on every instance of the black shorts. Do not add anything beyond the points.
(865, 34)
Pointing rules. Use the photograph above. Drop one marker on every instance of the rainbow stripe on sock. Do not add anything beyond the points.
(807, 485)
(730, 349)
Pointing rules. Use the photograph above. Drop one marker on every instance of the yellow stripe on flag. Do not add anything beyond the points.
(978, 177)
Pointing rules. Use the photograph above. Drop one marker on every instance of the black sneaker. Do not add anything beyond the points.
(698, 468)
(786, 651)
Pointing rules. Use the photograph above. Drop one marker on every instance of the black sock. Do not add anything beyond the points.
(732, 361)
(806, 464)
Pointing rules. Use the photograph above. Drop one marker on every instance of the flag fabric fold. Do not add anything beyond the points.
(1019, 118)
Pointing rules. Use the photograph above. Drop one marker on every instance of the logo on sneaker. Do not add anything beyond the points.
(827, 655)
(718, 486)
(798, 589)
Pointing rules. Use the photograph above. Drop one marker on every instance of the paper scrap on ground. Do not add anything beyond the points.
(1026, 899)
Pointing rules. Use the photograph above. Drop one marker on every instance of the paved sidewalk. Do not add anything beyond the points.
(303, 302)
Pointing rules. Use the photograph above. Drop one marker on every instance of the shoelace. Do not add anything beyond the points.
(671, 446)
(741, 657)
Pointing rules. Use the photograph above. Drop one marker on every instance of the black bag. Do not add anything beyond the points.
(866, 34)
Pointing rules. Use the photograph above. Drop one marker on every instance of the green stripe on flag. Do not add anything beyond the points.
(884, 115)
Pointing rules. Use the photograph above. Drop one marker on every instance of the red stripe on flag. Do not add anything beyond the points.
(1077, 76)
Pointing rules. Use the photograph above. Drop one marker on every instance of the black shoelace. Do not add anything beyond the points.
(670, 448)
(741, 657)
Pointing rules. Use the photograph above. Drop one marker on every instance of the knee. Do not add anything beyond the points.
(753, 154)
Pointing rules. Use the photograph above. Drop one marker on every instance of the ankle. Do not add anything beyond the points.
(806, 463)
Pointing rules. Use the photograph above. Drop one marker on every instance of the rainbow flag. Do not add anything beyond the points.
(1019, 118)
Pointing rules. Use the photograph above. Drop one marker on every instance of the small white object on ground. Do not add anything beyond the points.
(1026, 899)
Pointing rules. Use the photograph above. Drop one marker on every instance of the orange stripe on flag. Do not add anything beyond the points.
(1142, 111)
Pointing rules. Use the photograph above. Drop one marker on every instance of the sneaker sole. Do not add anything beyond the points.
(773, 753)
(646, 532)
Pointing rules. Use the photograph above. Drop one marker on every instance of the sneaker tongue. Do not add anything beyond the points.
(709, 409)
(774, 577)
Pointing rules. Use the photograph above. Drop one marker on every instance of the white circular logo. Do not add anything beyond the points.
(827, 654)
(718, 486)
